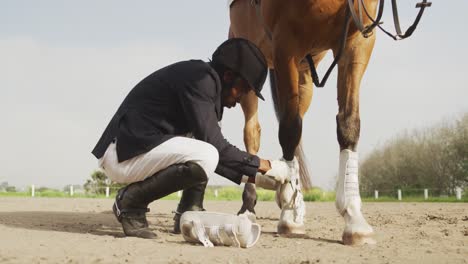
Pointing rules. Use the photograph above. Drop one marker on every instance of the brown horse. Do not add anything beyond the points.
(286, 32)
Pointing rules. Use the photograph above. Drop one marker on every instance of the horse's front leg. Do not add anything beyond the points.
(351, 68)
(252, 132)
(289, 196)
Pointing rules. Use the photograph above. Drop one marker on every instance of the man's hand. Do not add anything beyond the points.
(275, 171)
(265, 166)
(280, 171)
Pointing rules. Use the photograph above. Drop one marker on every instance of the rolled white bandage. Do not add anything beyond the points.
(265, 182)
(211, 228)
(280, 171)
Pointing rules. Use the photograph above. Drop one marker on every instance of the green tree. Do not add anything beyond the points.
(3, 186)
(98, 183)
(434, 158)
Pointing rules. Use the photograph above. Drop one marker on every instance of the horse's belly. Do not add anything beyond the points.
(315, 24)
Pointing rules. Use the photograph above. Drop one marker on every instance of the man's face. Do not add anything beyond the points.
(235, 88)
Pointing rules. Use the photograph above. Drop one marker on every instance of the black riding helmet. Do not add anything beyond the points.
(243, 57)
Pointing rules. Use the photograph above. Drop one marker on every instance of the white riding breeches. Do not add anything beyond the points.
(173, 151)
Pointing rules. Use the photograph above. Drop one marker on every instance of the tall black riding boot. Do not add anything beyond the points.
(131, 203)
(192, 200)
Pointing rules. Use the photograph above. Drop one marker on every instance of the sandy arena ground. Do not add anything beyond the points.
(54, 230)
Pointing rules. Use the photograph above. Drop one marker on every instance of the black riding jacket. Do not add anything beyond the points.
(181, 98)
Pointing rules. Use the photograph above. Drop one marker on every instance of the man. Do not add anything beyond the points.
(146, 143)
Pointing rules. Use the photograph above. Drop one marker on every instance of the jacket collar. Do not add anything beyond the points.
(218, 107)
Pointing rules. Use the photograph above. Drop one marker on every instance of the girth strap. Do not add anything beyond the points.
(313, 69)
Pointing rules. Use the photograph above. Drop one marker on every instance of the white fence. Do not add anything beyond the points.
(399, 194)
(71, 191)
(424, 193)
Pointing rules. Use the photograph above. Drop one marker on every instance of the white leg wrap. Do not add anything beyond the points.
(291, 201)
(348, 199)
(347, 187)
(219, 229)
(265, 182)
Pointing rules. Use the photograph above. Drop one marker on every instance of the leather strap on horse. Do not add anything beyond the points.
(366, 31)
(315, 78)
(337, 58)
(422, 5)
(396, 20)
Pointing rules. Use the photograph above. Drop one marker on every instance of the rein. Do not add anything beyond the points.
(366, 31)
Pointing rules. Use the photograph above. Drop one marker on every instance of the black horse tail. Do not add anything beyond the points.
(304, 172)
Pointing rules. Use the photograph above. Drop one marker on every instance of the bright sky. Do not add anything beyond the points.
(65, 67)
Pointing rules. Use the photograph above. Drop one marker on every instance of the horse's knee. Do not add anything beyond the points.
(348, 130)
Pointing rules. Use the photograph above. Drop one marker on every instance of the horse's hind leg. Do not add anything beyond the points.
(351, 68)
(305, 98)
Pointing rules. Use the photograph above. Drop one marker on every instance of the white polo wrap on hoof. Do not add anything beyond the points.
(291, 201)
(348, 201)
(211, 228)
(265, 182)
(347, 187)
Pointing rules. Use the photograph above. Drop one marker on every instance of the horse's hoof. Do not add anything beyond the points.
(358, 239)
(291, 229)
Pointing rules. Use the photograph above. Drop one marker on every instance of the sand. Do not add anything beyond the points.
(66, 230)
